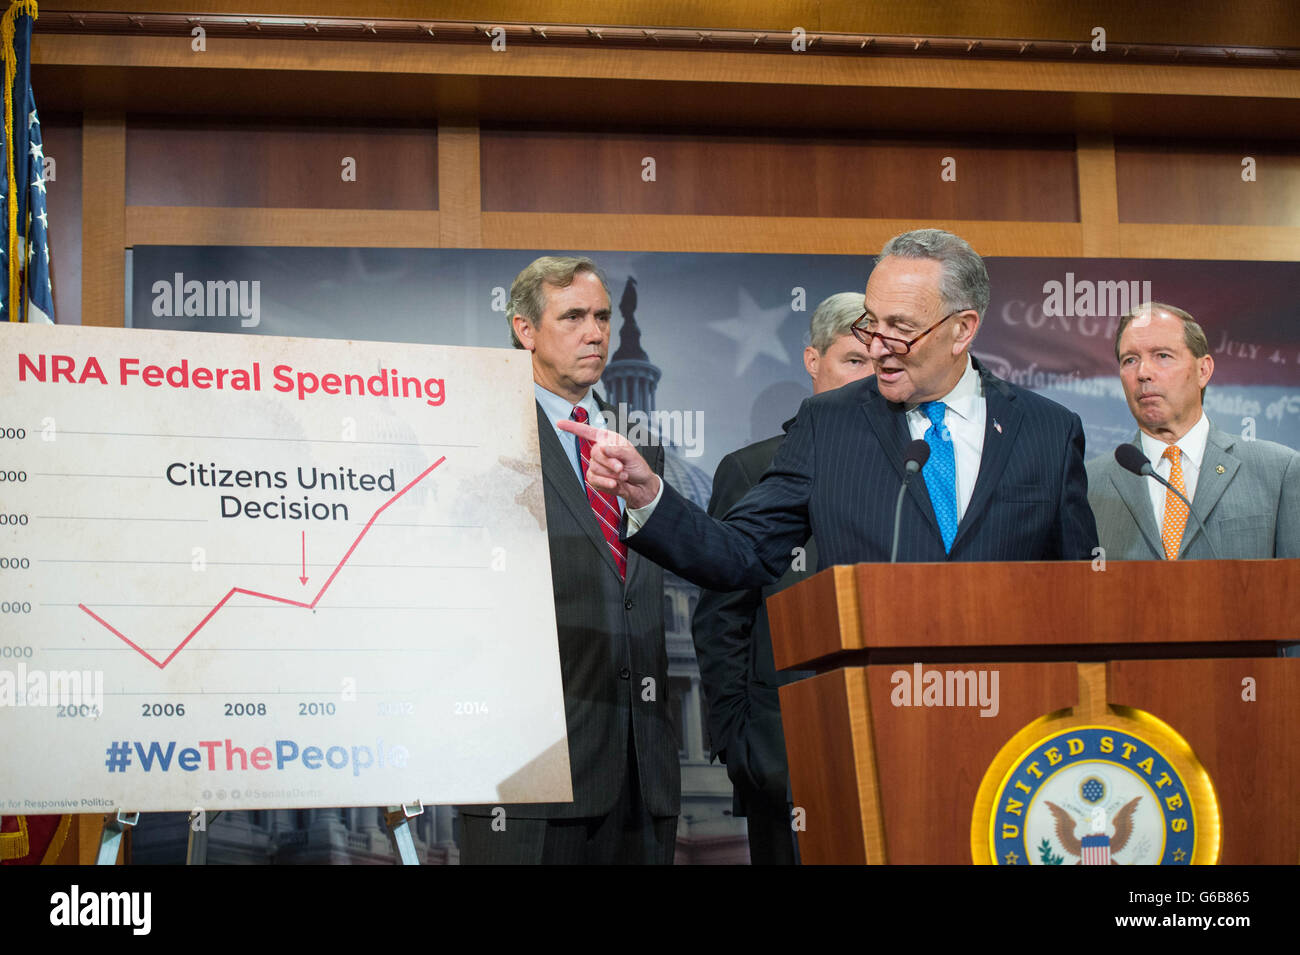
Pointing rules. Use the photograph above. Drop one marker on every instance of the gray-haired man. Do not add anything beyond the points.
(1246, 493)
(608, 611)
(1005, 479)
(732, 639)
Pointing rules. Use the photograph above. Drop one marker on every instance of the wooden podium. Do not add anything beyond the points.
(1194, 643)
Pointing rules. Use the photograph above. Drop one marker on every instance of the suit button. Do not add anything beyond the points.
(624, 673)
(627, 605)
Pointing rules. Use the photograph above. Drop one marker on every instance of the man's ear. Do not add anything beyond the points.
(1205, 369)
(968, 323)
(811, 360)
(524, 332)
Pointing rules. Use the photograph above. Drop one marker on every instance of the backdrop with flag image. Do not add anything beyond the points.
(725, 333)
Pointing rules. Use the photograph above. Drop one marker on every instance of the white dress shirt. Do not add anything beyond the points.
(559, 408)
(964, 418)
(1192, 446)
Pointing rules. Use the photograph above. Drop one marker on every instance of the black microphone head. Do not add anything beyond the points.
(1131, 458)
(915, 455)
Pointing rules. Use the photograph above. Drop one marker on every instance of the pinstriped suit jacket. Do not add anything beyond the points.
(611, 637)
(837, 475)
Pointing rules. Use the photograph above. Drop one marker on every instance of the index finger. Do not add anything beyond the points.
(592, 434)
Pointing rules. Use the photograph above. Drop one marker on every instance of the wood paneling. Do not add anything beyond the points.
(1247, 22)
(1179, 182)
(103, 197)
(460, 194)
(61, 136)
(279, 164)
(931, 760)
(739, 175)
(202, 225)
(1098, 206)
(1248, 746)
(656, 233)
(1244, 243)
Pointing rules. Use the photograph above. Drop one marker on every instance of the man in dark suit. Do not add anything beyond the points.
(1005, 479)
(1246, 493)
(732, 640)
(608, 611)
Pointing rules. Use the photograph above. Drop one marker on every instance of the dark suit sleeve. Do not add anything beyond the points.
(751, 547)
(722, 627)
(1076, 530)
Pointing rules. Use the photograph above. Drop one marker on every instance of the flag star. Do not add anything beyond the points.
(754, 330)
(39, 184)
(45, 247)
(45, 220)
(31, 117)
(35, 149)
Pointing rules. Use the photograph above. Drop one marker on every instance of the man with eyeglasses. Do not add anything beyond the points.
(1005, 478)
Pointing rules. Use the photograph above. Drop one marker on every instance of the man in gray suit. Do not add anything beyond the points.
(608, 611)
(1246, 493)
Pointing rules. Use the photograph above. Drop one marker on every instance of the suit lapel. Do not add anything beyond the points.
(1136, 495)
(1210, 484)
(1002, 419)
(890, 425)
(558, 473)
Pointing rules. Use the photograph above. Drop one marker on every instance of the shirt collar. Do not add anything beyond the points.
(1191, 444)
(964, 395)
(559, 408)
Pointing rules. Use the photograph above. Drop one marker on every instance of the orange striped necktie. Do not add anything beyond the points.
(1171, 533)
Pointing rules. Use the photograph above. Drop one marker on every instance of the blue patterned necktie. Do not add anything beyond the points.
(941, 472)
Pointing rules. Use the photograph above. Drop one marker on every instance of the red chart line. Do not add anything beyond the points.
(160, 664)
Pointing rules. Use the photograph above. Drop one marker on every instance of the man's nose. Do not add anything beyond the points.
(877, 349)
(592, 330)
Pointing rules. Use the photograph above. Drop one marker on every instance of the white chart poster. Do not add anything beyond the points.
(251, 572)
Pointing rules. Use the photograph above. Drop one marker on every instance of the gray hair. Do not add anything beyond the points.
(833, 318)
(965, 281)
(527, 295)
(1193, 335)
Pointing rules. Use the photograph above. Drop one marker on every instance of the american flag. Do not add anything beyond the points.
(1096, 850)
(35, 299)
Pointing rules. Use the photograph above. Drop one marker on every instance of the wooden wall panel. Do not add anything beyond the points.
(591, 171)
(917, 749)
(103, 200)
(1245, 22)
(1247, 746)
(61, 136)
(279, 164)
(1201, 183)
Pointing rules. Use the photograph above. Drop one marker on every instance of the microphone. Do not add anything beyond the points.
(915, 455)
(1131, 458)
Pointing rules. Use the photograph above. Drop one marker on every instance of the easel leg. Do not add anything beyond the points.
(111, 838)
(196, 849)
(399, 832)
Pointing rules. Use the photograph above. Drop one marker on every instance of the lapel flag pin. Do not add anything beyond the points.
(1219, 469)
(997, 427)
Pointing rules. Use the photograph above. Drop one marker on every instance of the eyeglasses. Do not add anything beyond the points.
(898, 346)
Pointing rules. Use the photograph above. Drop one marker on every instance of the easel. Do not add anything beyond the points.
(397, 818)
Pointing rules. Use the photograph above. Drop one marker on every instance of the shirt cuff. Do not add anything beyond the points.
(637, 516)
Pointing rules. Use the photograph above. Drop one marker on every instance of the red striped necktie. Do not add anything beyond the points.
(603, 503)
